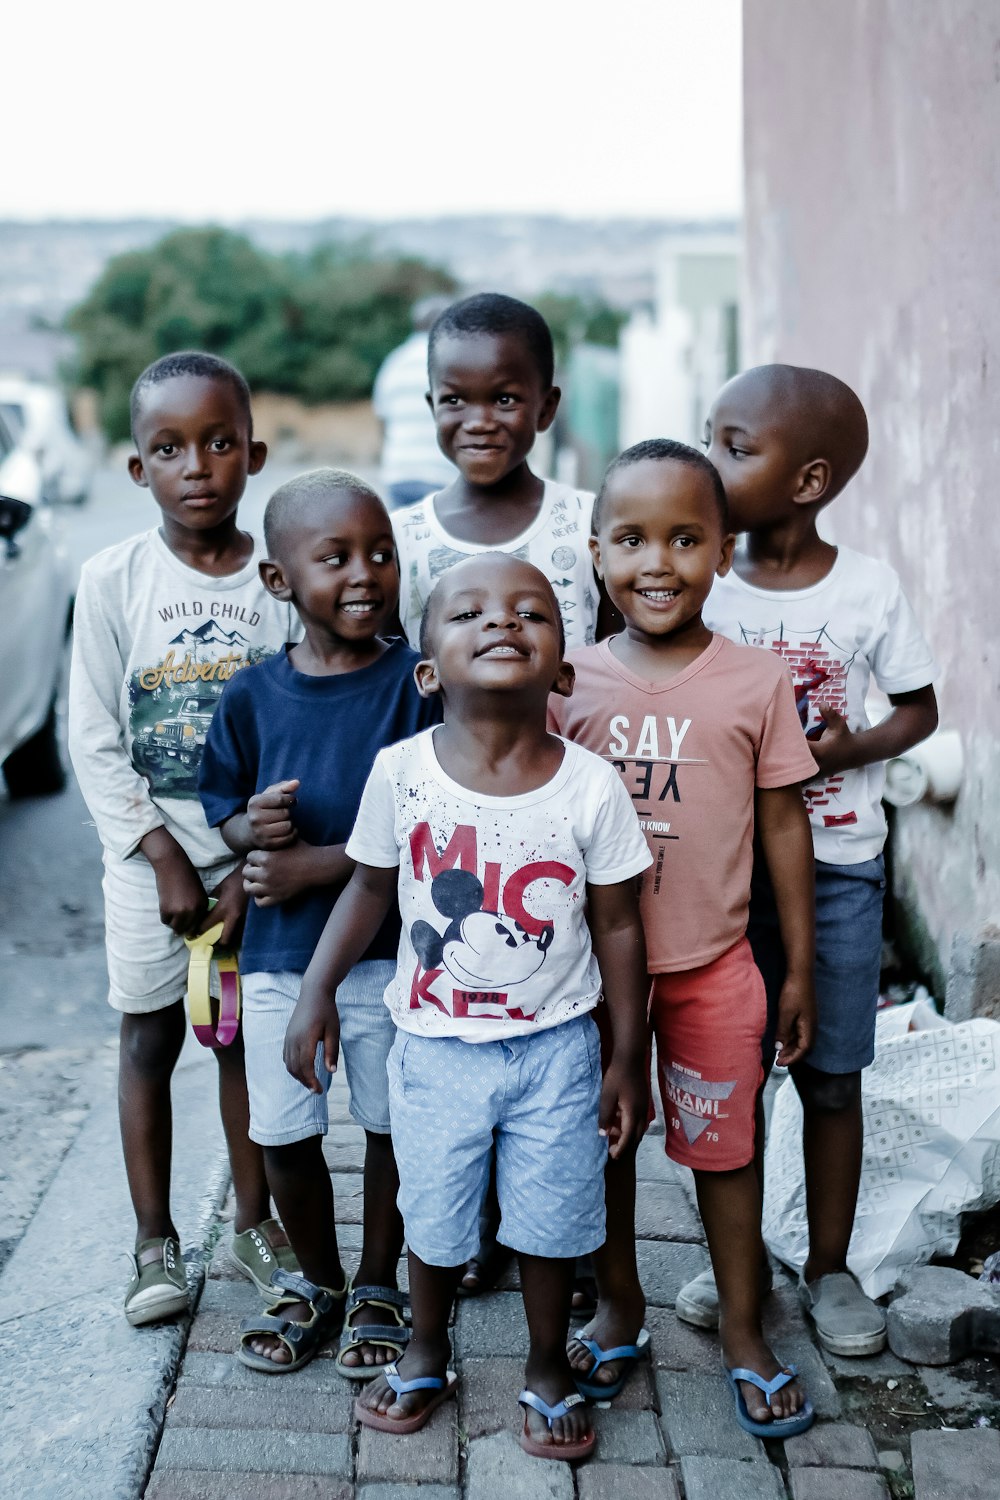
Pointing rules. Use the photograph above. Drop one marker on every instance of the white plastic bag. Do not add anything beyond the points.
(931, 1102)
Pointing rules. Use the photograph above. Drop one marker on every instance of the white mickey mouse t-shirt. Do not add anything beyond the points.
(492, 890)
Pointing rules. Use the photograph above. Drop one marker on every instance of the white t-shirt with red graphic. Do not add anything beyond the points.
(492, 890)
(836, 636)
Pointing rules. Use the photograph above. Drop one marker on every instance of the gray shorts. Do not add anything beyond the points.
(282, 1110)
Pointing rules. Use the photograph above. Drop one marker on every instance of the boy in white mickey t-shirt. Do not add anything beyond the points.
(786, 441)
(496, 835)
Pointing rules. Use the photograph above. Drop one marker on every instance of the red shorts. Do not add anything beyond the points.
(708, 1024)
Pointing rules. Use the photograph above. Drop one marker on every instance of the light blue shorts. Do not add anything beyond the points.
(282, 1110)
(537, 1098)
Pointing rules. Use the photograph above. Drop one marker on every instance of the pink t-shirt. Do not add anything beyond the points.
(690, 752)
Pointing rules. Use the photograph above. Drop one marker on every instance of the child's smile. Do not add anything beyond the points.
(488, 403)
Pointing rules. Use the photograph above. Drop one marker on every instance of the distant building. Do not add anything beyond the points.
(676, 354)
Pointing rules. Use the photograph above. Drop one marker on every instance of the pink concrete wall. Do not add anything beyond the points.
(872, 146)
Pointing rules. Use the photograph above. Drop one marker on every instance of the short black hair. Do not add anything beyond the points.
(425, 641)
(191, 362)
(664, 450)
(492, 312)
(296, 493)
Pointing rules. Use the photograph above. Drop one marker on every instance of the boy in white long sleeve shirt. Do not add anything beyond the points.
(162, 621)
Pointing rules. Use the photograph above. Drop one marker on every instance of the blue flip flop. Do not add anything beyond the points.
(630, 1354)
(567, 1452)
(778, 1427)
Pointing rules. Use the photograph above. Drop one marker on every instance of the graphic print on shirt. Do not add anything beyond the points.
(171, 701)
(488, 941)
(696, 1100)
(819, 669)
(647, 756)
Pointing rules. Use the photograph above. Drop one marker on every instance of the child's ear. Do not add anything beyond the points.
(426, 677)
(565, 681)
(726, 556)
(549, 407)
(813, 481)
(272, 576)
(258, 453)
(137, 472)
(595, 551)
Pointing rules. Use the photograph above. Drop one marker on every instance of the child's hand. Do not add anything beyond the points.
(624, 1111)
(230, 908)
(271, 876)
(270, 818)
(314, 1020)
(796, 1020)
(834, 750)
(181, 895)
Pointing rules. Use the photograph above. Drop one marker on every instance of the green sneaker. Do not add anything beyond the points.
(257, 1253)
(158, 1288)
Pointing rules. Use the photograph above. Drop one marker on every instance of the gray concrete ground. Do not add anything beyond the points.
(92, 1408)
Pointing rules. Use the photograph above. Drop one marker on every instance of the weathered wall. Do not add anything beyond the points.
(872, 145)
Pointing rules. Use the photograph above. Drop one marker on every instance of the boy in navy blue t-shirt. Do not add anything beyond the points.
(287, 758)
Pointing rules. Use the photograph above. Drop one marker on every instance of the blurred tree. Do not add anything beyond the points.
(315, 326)
(578, 320)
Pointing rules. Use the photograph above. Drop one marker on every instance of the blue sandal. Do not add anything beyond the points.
(566, 1452)
(778, 1427)
(442, 1386)
(630, 1354)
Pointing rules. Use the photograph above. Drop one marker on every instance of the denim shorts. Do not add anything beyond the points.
(536, 1097)
(848, 960)
(282, 1110)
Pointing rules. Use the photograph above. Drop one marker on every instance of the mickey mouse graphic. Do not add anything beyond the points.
(480, 949)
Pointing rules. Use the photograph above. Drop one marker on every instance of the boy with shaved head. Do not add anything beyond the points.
(786, 440)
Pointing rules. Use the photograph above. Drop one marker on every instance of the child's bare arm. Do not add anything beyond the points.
(914, 716)
(350, 929)
(620, 950)
(180, 893)
(271, 876)
(267, 822)
(783, 827)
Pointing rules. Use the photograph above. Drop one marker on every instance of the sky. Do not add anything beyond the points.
(229, 109)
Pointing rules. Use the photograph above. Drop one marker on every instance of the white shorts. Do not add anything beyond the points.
(282, 1110)
(147, 962)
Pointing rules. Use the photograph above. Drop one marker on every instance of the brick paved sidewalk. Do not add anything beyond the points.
(671, 1434)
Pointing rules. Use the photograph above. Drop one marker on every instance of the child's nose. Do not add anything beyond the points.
(195, 462)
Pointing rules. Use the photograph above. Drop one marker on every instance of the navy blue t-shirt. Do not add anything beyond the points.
(276, 724)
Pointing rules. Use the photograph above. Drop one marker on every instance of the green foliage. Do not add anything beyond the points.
(315, 326)
(576, 320)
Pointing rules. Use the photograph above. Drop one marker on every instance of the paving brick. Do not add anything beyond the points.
(832, 1445)
(491, 1325)
(678, 1346)
(407, 1492)
(487, 1395)
(941, 1316)
(639, 1392)
(429, 1456)
(727, 1479)
(496, 1465)
(224, 1371)
(698, 1417)
(189, 1484)
(884, 1366)
(624, 1482)
(664, 1268)
(663, 1212)
(345, 1155)
(628, 1437)
(283, 1405)
(231, 1298)
(956, 1465)
(652, 1164)
(255, 1452)
(837, 1484)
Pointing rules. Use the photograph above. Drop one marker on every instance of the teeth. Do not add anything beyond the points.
(659, 594)
(360, 608)
(502, 651)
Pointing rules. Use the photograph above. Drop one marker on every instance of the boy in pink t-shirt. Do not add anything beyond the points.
(707, 739)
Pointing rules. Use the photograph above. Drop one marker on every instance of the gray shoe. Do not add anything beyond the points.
(698, 1302)
(846, 1321)
(158, 1288)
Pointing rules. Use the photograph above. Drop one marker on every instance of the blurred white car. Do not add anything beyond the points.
(37, 417)
(35, 603)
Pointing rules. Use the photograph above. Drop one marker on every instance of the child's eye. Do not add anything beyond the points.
(531, 614)
(737, 452)
(383, 555)
(684, 541)
(166, 449)
(631, 541)
(506, 400)
(221, 444)
(336, 559)
(467, 614)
